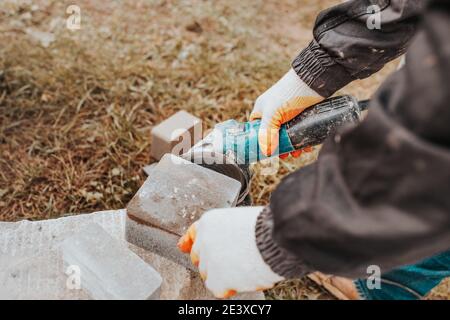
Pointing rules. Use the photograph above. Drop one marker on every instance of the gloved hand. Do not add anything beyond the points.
(279, 104)
(222, 244)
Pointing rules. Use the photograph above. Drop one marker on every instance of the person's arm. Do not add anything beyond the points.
(345, 47)
(347, 44)
(379, 193)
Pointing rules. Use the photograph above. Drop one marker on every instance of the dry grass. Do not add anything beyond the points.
(75, 117)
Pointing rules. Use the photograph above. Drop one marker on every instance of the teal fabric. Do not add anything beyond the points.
(410, 282)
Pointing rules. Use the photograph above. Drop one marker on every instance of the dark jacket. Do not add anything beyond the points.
(379, 192)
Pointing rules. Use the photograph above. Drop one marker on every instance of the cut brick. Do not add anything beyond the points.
(176, 194)
(109, 270)
(182, 130)
(31, 267)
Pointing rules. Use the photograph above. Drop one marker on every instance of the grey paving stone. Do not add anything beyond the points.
(174, 196)
(178, 192)
(109, 270)
(157, 241)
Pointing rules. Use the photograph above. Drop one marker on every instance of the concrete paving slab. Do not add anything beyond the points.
(109, 269)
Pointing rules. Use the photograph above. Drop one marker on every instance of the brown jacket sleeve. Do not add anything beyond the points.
(379, 192)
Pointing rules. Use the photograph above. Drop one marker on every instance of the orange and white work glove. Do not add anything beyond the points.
(222, 244)
(280, 103)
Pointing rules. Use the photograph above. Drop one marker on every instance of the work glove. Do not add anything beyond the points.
(222, 244)
(280, 103)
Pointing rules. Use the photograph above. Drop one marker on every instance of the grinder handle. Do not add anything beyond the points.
(316, 123)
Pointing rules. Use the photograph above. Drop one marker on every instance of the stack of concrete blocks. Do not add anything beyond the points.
(174, 196)
(32, 264)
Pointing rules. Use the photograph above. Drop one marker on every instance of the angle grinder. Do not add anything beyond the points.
(232, 146)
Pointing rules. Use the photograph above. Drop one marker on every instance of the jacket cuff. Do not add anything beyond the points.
(278, 259)
(320, 71)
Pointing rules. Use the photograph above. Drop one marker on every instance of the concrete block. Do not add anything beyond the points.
(182, 130)
(176, 194)
(156, 240)
(109, 270)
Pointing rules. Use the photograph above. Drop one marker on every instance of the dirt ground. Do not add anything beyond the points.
(77, 107)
